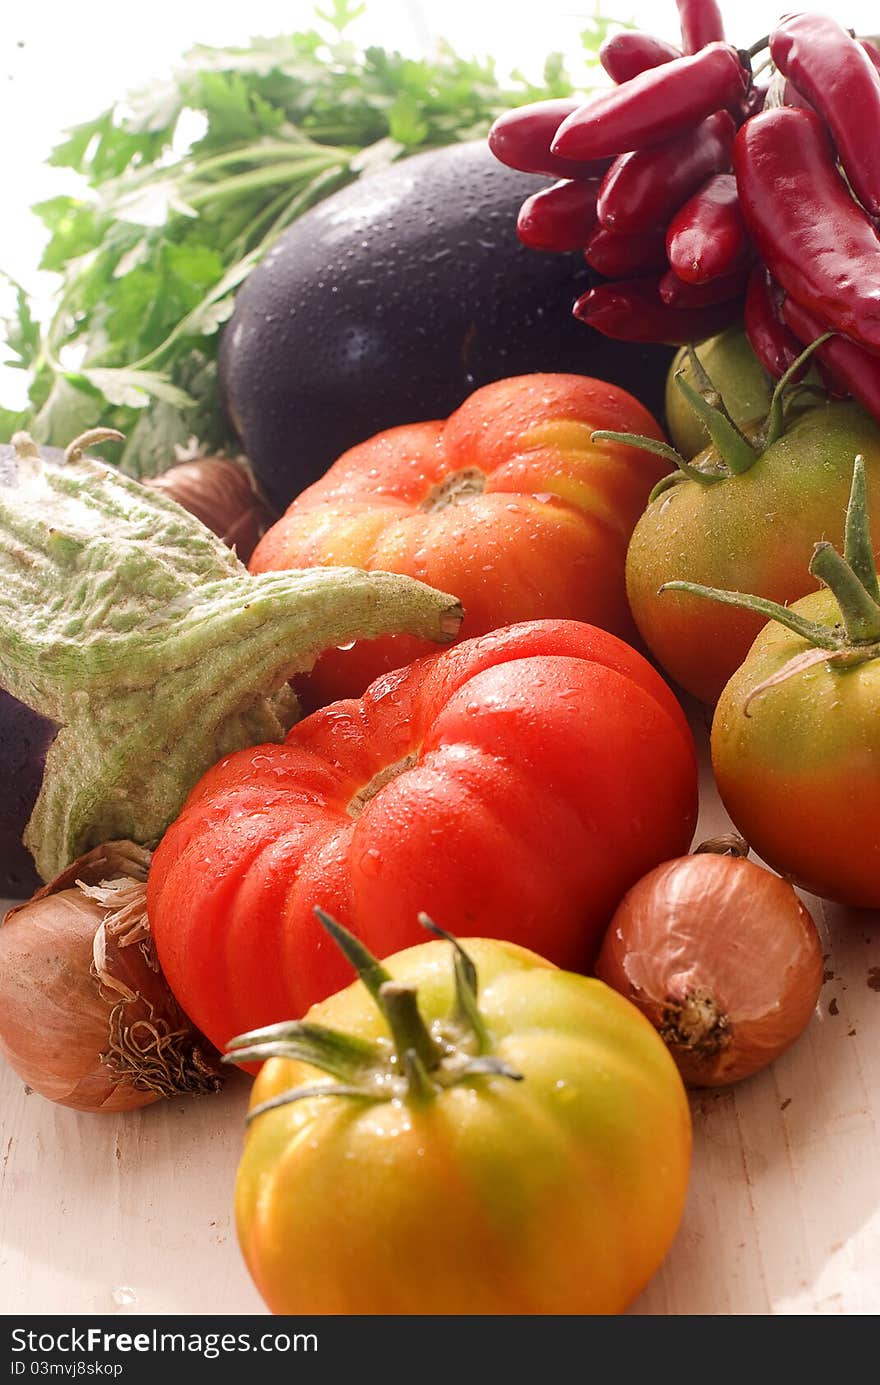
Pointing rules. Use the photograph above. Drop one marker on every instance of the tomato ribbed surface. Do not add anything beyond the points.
(513, 786)
(508, 504)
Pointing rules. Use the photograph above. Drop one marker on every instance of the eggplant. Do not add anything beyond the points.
(25, 737)
(393, 300)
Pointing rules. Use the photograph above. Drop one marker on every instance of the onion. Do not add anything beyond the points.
(224, 495)
(723, 959)
(86, 1017)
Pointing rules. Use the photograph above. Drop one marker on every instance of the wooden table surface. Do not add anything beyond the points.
(132, 1213)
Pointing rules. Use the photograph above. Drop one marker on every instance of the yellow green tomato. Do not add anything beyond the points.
(532, 1158)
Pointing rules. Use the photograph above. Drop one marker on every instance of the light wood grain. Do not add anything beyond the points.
(132, 1214)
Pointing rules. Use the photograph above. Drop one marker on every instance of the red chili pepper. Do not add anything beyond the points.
(707, 237)
(872, 51)
(633, 310)
(812, 235)
(833, 71)
(851, 367)
(792, 97)
(628, 53)
(642, 190)
(680, 295)
(701, 23)
(521, 139)
(654, 106)
(625, 257)
(560, 217)
(752, 102)
(773, 344)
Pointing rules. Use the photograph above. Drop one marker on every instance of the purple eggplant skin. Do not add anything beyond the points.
(392, 301)
(25, 738)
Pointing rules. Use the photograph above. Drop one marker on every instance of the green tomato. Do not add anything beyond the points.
(798, 766)
(752, 532)
(734, 368)
(469, 1192)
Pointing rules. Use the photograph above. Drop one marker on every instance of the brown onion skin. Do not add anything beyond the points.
(721, 930)
(224, 495)
(54, 1018)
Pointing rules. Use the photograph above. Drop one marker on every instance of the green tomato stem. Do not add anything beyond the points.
(820, 635)
(420, 1089)
(660, 449)
(424, 1061)
(408, 1030)
(343, 1056)
(859, 612)
(305, 1093)
(858, 549)
(370, 971)
(731, 444)
(775, 424)
(134, 629)
(466, 1016)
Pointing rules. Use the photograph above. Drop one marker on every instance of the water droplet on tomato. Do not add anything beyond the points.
(371, 862)
(344, 648)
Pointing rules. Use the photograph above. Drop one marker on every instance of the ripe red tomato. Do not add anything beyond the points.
(513, 787)
(508, 504)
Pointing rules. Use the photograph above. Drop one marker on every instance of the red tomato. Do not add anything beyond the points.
(514, 786)
(507, 504)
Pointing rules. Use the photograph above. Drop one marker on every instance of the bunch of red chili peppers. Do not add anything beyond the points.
(703, 197)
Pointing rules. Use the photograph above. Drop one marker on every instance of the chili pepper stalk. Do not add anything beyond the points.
(125, 622)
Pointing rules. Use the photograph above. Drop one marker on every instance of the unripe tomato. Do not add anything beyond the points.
(559, 1193)
(752, 532)
(798, 767)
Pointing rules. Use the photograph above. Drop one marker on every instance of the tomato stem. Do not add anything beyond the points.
(733, 447)
(660, 449)
(775, 424)
(340, 1055)
(419, 1087)
(425, 1061)
(859, 611)
(466, 1016)
(305, 1093)
(858, 549)
(410, 1033)
(820, 635)
(368, 968)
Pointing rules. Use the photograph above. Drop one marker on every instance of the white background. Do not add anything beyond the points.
(61, 63)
